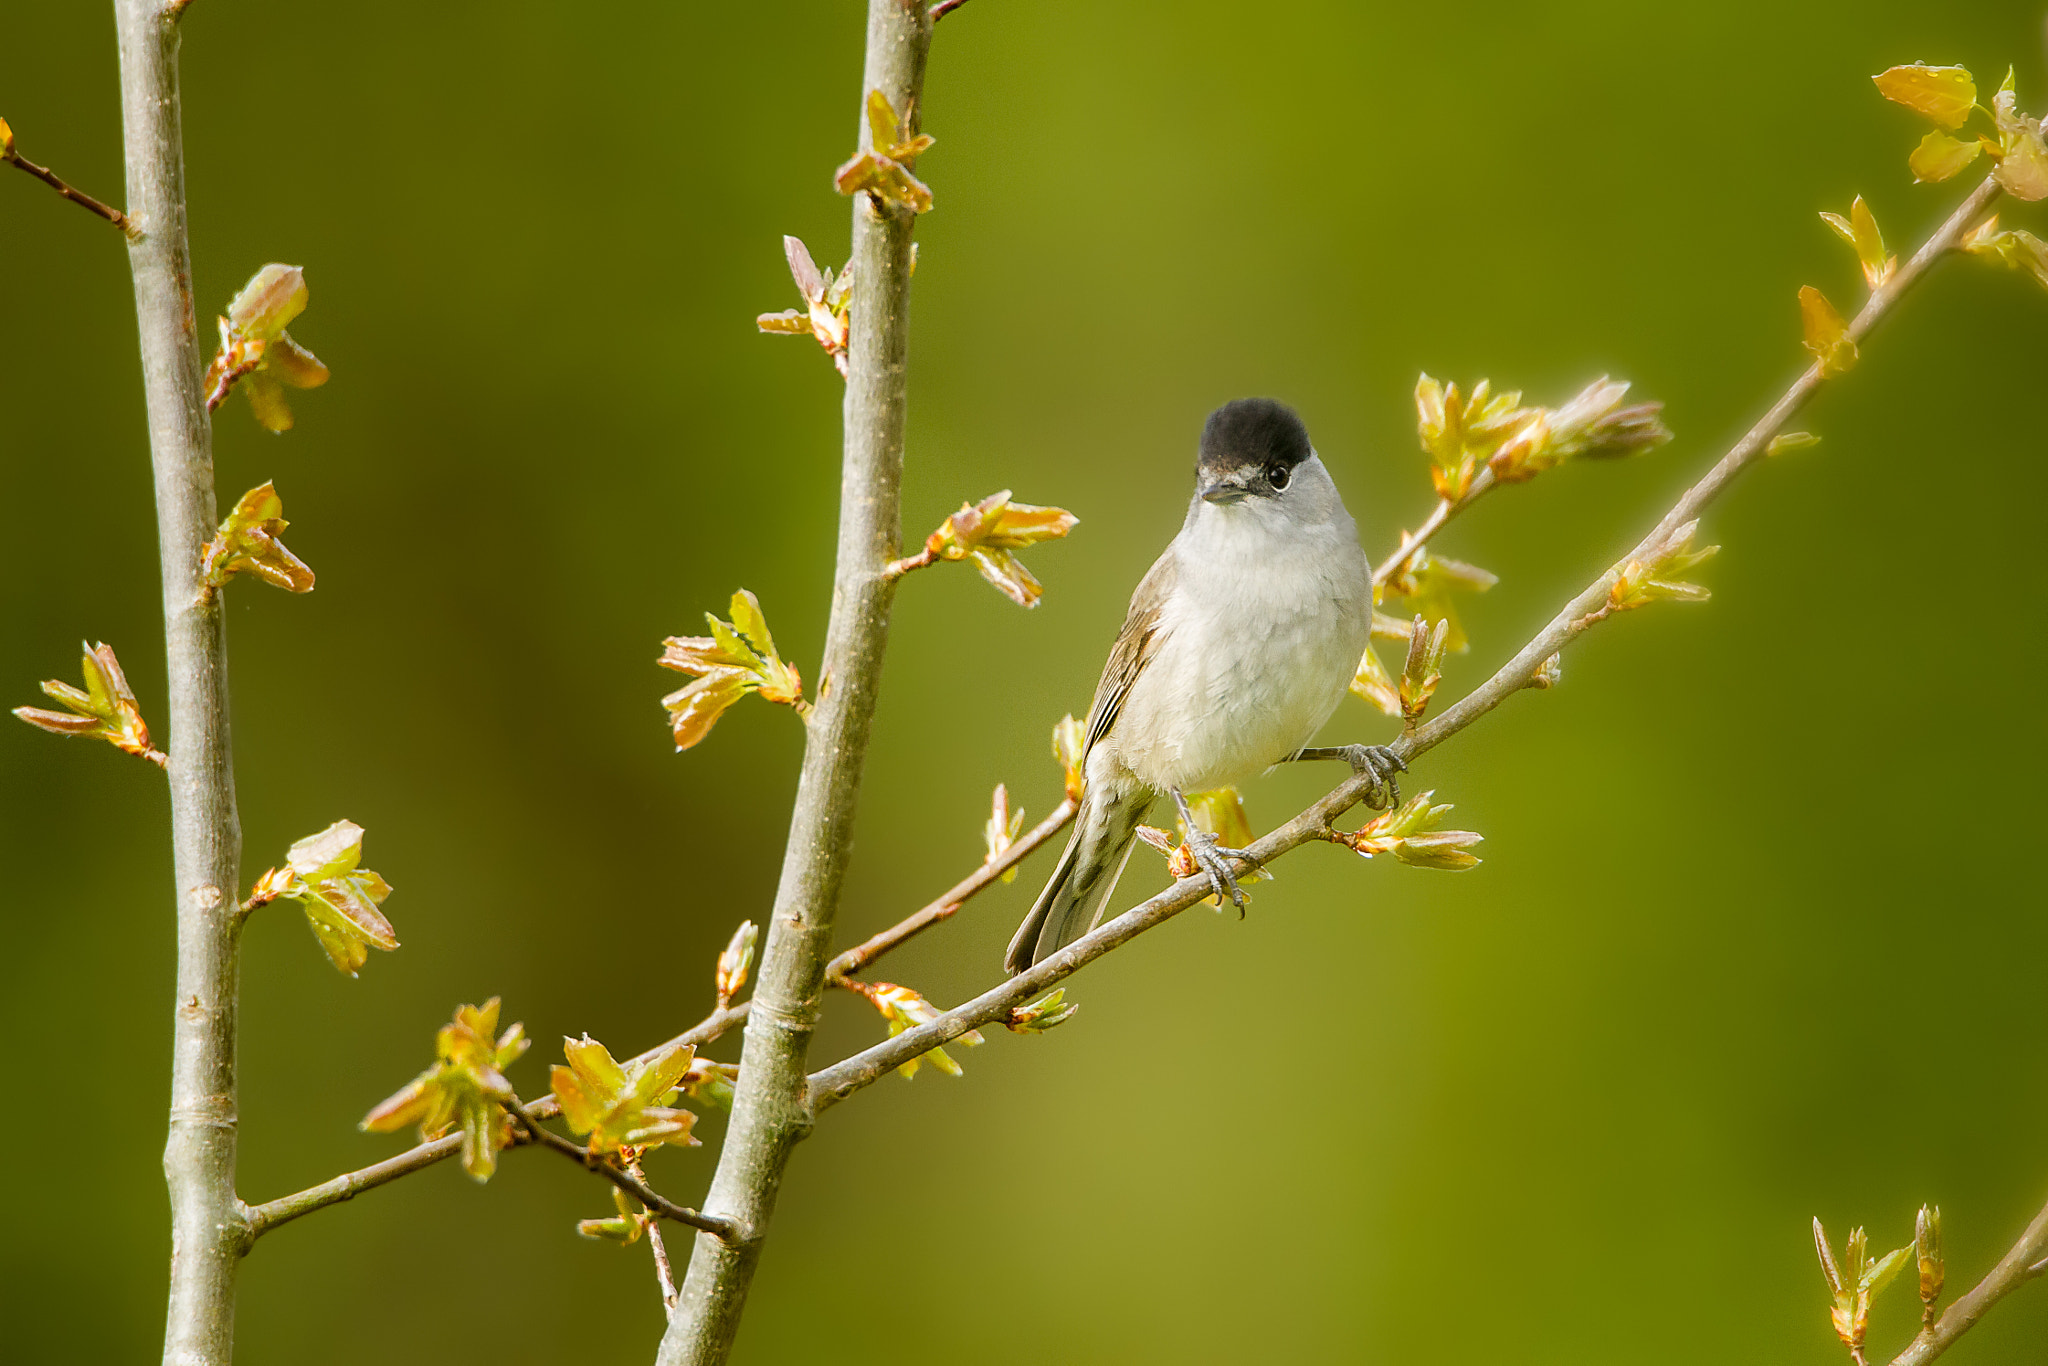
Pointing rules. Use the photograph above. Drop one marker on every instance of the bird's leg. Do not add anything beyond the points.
(1377, 761)
(1213, 858)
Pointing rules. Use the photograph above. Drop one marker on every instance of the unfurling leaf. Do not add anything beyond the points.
(2016, 248)
(1656, 577)
(622, 1107)
(734, 963)
(1431, 583)
(1859, 230)
(256, 351)
(1787, 442)
(884, 168)
(1068, 740)
(1940, 156)
(711, 1083)
(629, 1226)
(1372, 683)
(735, 659)
(1827, 336)
(1042, 1014)
(988, 531)
(1495, 431)
(248, 542)
(1410, 834)
(1927, 1253)
(1855, 1281)
(1943, 94)
(1423, 670)
(826, 302)
(466, 1086)
(1001, 829)
(340, 899)
(905, 1009)
(105, 710)
(2023, 157)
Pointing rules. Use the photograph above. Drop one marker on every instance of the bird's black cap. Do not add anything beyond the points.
(1251, 434)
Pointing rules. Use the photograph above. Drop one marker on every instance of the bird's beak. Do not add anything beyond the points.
(1222, 491)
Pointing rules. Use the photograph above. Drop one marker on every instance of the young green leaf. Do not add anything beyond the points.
(1943, 94)
(1827, 336)
(1940, 156)
(1656, 577)
(1000, 831)
(247, 542)
(1068, 741)
(105, 710)
(1373, 683)
(883, 170)
(622, 1107)
(1423, 670)
(466, 1086)
(826, 302)
(734, 660)
(2017, 248)
(734, 963)
(905, 1009)
(1410, 834)
(988, 532)
(1432, 583)
(257, 352)
(339, 898)
(1859, 230)
(2023, 157)
(1040, 1015)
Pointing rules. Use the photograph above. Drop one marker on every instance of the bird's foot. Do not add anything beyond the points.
(1213, 859)
(1380, 764)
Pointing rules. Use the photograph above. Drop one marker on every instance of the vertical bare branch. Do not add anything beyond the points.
(770, 1108)
(208, 1228)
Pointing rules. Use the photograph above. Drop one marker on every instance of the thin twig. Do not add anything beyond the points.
(896, 569)
(2022, 1264)
(75, 195)
(1444, 510)
(664, 1274)
(727, 1229)
(944, 8)
(860, 955)
(833, 1084)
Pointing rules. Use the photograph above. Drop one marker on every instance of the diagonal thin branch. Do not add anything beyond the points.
(70, 192)
(835, 1083)
(725, 1229)
(2020, 1265)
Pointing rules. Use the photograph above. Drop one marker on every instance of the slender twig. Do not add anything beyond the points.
(209, 1231)
(1444, 510)
(664, 1274)
(860, 955)
(768, 1113)
(625, 1181)
(842, 1079)
(267, 1216)
(2020, 1265)
(70, 192)
(923, 559)
(944, 8)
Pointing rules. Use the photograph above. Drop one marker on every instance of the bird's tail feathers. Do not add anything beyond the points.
(1082, 882)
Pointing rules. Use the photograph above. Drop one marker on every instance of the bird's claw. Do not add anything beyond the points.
(1380, 764)
(1214, 861)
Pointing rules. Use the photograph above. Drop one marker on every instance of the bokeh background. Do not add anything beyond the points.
(1759, 934)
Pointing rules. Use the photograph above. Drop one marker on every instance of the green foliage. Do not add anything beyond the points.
(737, 658)
(258, 354)
(247, 542)
(622, 1107)
(466, 1086)
(105, 710)
(339, 898)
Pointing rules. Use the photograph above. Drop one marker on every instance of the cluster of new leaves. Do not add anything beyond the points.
(1428, 640)
(1946, 96)
(340, 898)
(1410, 834)
(1464, 434)
(623, 1108)
(630, 1224)
(826, 301)
(1002, 828)
(247, 543)
(735, 962)
(1047, 1011)
(257, 353)
(1656, 577)
(884, 169)
(905, 1009)
(1857, 1278)
(737, 658)
(105, 710)
(466, 1086)
(2016, 248)
(1825, 334)
(988, 533)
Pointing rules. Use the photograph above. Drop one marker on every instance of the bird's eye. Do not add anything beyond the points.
(1277, 475)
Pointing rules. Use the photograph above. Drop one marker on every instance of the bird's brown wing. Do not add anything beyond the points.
(1134, 646)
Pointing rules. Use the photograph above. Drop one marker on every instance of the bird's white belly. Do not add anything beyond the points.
(1257, 651)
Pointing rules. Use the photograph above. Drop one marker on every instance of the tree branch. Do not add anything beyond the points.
(1444, 510)
(2022, 1264)
(769, 1115)
(208, 1229)
(860, 955)
(539, 1133)
(842, 1079)
(57, 183)
(944, 8)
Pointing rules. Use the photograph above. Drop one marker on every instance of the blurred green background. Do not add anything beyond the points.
(1756, 938)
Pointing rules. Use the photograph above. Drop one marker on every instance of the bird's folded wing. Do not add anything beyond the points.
(1135, 645)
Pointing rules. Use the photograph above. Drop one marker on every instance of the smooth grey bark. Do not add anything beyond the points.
(770, 1113)
(208, 1228)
